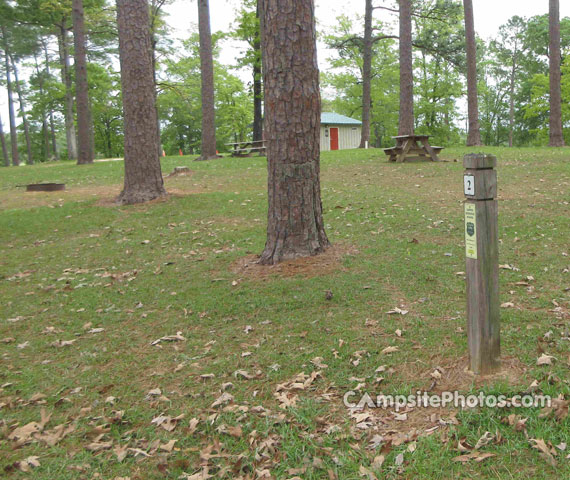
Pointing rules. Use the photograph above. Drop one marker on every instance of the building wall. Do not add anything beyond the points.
(348, 137)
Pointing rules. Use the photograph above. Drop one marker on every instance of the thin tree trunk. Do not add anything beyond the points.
(155, 9)
(257, 86)
(11, 114)
(51, 119)
(295, 226)
(45, 133)
(406, 126)
(473, 135)
(366, 75)
(207, 70)
(143, 176)
(66, 79)
(84, 126)
(30, 159)
(512, 98)
(4, 146)
(556, 134)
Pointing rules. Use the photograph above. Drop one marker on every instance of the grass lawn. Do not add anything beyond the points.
(87, 287)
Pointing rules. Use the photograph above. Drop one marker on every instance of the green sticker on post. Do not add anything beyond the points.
(471, 230)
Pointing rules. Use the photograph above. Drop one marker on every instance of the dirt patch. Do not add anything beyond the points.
(405, 424)
(308, 267)
(455, 375)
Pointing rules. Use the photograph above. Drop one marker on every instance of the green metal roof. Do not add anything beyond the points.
(337, 119)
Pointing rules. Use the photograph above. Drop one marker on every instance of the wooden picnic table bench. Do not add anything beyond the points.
(413, 147)
(245, 149)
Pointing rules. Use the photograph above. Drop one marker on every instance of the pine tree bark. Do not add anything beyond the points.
(474, 134)
(406, 126)
(143, 175)
(11, 113)
(67, 82)
(85, 154)
(295, 226)
(366, 75)
(208, 149)
(4, 146)
(556, 134)
(21, 101)
(257, 86)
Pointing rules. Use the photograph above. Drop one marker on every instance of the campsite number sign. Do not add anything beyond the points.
(469, 185)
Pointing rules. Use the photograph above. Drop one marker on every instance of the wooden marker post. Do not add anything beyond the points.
(482, 252)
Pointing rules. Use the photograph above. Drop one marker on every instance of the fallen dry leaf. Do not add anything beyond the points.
(167, 422)
(398, 311)
(389, 350)
(477, 456)
(23, 435)
(27, 464)
(544, 451)
(545, 359)
(485, 439)
(170, 338)
(223, 399)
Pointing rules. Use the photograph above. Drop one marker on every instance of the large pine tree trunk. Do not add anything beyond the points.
(143, 176)
(30, 159)
(366, 75)
(11, 113)
(556, 135)
(295, 225)
(257, 86)
(67, 82)
(207, 74)
(84, 136)
(473, 135)
(4, 146)
(406, 126)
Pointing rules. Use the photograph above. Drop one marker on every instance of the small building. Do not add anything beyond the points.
(339, 132)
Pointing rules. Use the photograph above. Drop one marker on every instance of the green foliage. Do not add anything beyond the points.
(179, 102)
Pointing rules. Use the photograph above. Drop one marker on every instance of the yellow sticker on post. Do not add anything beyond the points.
(471, 230)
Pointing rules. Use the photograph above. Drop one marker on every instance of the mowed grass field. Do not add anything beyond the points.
(249, 377)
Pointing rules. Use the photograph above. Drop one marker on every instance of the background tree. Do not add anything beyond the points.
(473, 133)
(508, 50)
(208, 147)
(143, 176)
(248, 30)
(556, 135)
(5, 156)
(295, 224)
(180, 104)
(10, 91)
(84, 128)
(23, 114)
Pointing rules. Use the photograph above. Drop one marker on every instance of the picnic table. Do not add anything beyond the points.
(413, 147)
(245, 149)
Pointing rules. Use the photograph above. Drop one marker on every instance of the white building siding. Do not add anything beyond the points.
(348, 137)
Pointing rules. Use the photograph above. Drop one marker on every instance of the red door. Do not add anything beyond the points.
(334, 138)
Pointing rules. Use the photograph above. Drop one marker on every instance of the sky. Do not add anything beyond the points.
(489, 16)
(183, 18)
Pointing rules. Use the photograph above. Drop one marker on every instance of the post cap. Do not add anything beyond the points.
(478, 161)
